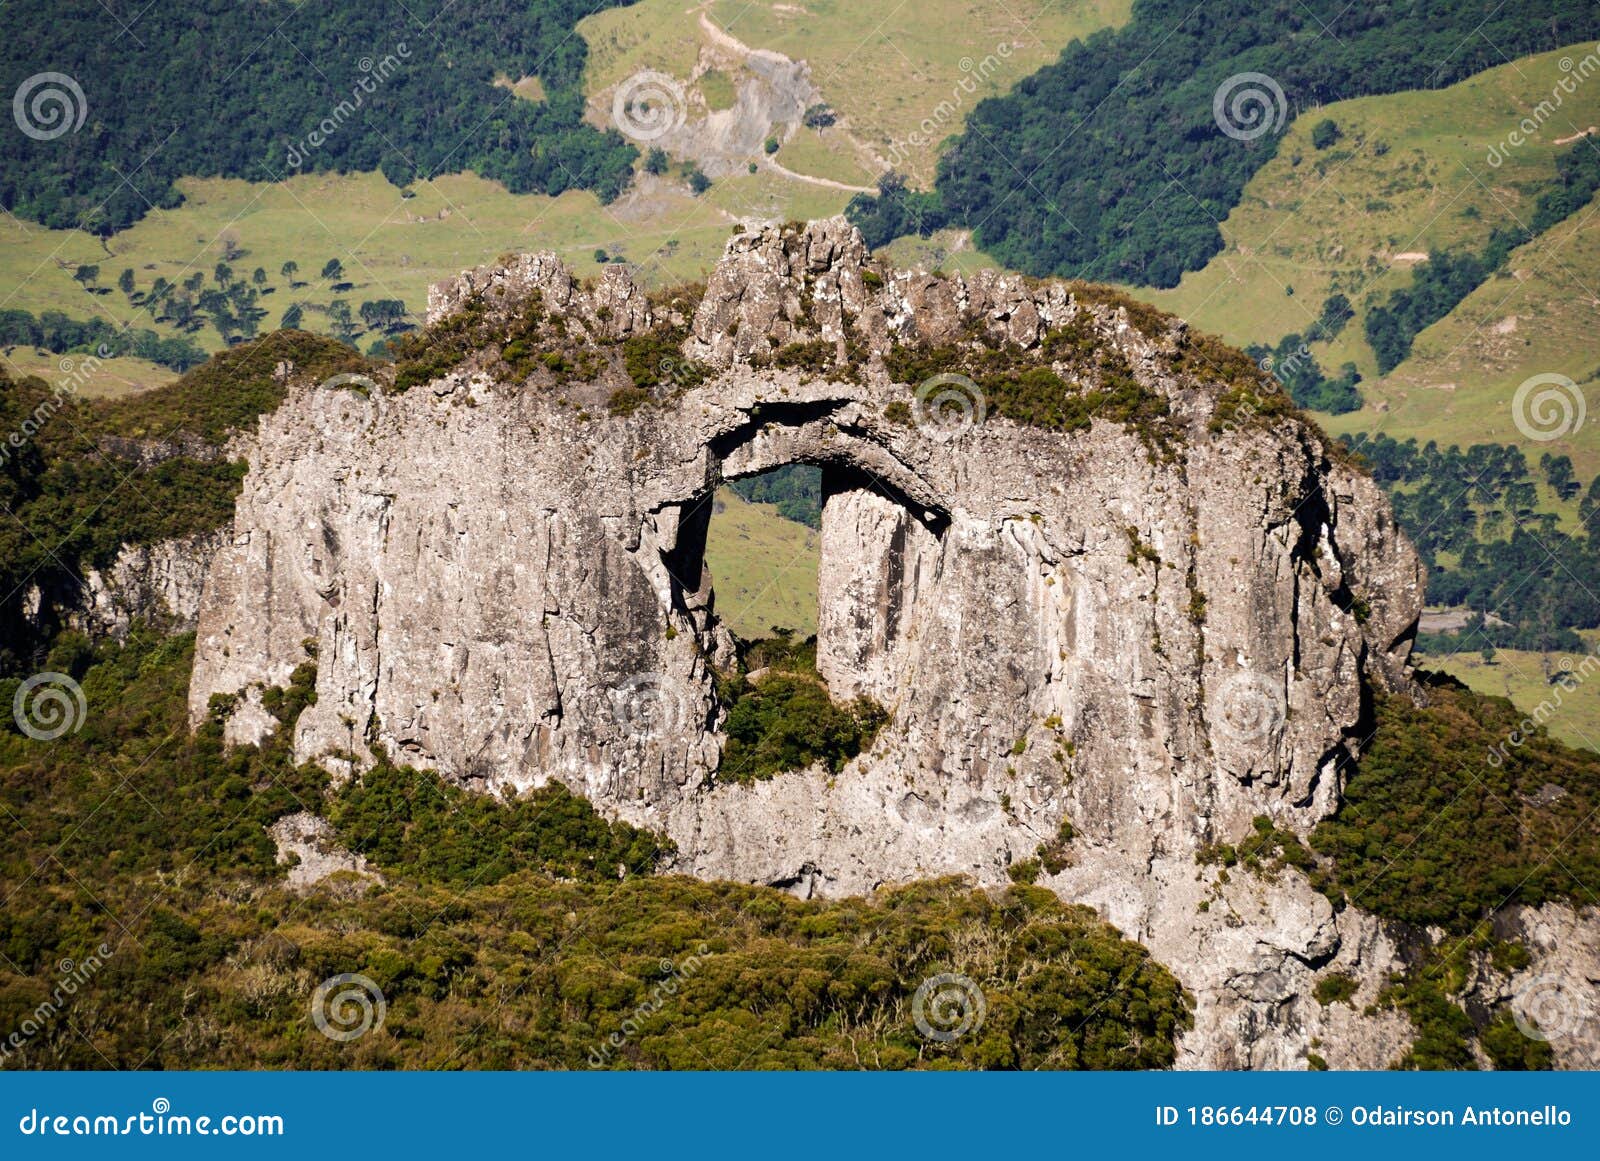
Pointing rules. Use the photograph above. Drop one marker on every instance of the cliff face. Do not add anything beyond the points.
(505, 582)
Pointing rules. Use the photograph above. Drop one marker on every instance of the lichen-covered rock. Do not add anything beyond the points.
(1156, 641)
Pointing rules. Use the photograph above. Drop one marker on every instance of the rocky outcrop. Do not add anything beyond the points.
(505, 583)
(160, 583)
(306, 845)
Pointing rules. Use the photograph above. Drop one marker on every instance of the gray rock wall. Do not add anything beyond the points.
(506, 586)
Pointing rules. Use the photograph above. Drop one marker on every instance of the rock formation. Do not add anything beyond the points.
(503, 581)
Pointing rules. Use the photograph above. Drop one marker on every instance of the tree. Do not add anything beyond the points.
(223, 273)
(289, 270)
(333, 271)
(1558, 470)
(291, 317)
(386, 314)
(125, 282)
(655, 162)
(1324, 133)
(258, 276)
(698, 181)
(344, 327)
(818, 117)
(86, 275)
(160, 289)
(771, 145)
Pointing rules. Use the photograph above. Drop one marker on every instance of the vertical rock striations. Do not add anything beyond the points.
(1157, 636)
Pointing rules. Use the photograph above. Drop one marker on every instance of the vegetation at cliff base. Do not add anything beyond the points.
(414, 822)
(781, 716)
(76, 489)
(1459, 809)
(501, 937)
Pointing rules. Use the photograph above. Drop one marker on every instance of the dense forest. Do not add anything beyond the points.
(267, 89)
(1109, 164)
(1476, 518)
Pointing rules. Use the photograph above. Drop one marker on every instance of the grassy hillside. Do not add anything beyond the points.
(1525, 678)
(1535, 317)
(1410, 174)
(391, 246)
(884, 69)
(764, 568)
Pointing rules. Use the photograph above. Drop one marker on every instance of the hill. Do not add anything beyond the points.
(764, 567)
(1118, 161)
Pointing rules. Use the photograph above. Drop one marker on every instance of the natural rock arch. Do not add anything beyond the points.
(1062, 626)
